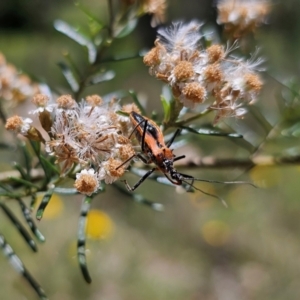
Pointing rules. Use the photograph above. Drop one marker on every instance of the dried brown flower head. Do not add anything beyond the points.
(87, 182)
(23, 126)
(193, 93)
(65, 102)
(196, 74)
(240, 17)
(183, 71)
(111, 170)
(157, 8)
(128, 108)
(40, 100)
(94, 100)
(16, 123)
(15, 87)
(215, 53)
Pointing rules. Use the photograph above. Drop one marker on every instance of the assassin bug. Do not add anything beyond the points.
(155, 150)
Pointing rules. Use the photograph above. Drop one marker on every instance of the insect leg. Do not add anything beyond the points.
(170, 142)
(179, 157)
(188, 177)
(145, 176)
(143, 159)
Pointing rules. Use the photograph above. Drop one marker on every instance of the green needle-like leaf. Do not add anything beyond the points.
(27, 215)
(140, 199)
(73, 34)
(49, 167)
(5, 146)
(45, 201)
(137, 102)
(122, 113)
(101, 77)
(65, 191)
(33, 201)
(19, 267)
(27, 158)
(167, 109)
(36, 147)
(119, 94)
(154, 205)
(124, 30)
(118, 58)
(68, 74)
(90, 14)
(22, 230)
(24, 182)
(22, 172)
(81, 239)
(203, 131)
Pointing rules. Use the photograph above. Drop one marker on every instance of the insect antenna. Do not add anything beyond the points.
(135, 128)
(226, 182)
(185, 177)
(206, 193)
(125, 162)
(188, 177)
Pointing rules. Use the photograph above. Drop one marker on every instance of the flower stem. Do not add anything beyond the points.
(193, 118)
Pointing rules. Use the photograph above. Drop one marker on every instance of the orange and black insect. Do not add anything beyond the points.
(155, 150)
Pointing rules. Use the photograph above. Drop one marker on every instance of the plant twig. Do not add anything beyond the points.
(111, 17)
(35, 174)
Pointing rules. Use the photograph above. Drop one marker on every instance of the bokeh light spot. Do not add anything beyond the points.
(238, 198)
(215, 232)
(99, 225)
(265, 176)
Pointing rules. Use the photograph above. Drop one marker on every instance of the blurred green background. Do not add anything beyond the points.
(196, 248)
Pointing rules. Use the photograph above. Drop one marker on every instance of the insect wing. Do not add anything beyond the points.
(154, 137)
